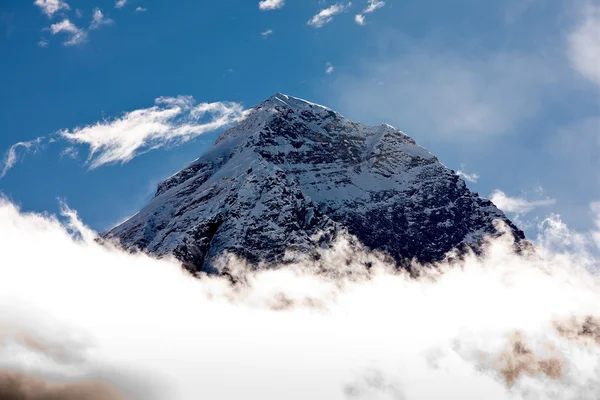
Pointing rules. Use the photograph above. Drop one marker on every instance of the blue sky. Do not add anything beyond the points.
(505, 90)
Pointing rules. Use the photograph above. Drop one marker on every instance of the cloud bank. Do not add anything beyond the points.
(23, 387)
(72, 310)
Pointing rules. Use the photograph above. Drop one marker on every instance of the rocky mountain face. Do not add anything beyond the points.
(292, 176)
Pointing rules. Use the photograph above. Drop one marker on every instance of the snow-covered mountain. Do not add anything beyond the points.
(291, 176)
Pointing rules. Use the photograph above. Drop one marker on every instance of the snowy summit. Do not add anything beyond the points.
(292, 176)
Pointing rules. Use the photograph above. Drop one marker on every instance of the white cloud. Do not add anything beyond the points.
(173, 120)
(472, 331)
(140, 9)
(267, 33)
(76, 35)
(372, 6)
(70, 152)
(595, 207)
(51, 7)
(43, 43)
(446, 95)
(584, 44)
(99, 19)
(326, 15)
(11, 156)
(267, 5)
(120, 3)
(329, 68)
(517, 205)
(473, 177)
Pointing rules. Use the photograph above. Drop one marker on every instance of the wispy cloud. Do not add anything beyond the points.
(453, 96)
(329, 68)
(372, 6)
(469, 177)
(43, 43)
(173, 120)
(595, 206)
(578, 142)
(326, 15)
(70, 152)
(518, 205)
(584, 44)
(267, 33)
(99, 19)
(51, 7)
(11, 157)
(76, 35)
(120, 3)
(140, 9)
(267, 5)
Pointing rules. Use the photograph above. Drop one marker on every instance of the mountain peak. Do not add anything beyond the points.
(294, 175)
(295, 103)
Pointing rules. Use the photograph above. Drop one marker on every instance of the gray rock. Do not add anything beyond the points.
(294, 175)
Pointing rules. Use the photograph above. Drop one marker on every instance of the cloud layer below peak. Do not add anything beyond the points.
(460, 331)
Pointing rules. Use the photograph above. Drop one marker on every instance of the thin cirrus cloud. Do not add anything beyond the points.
(171, 121)
(453, 96)
(51, 7)
(98, 20)
(518, 205)
(75, 34)
(372, 6)
(267, 5)
(140, 9)
(584, 44)
(11, 157)
(326, 15)
(266, 33)
(329, 68)
(469, 177)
